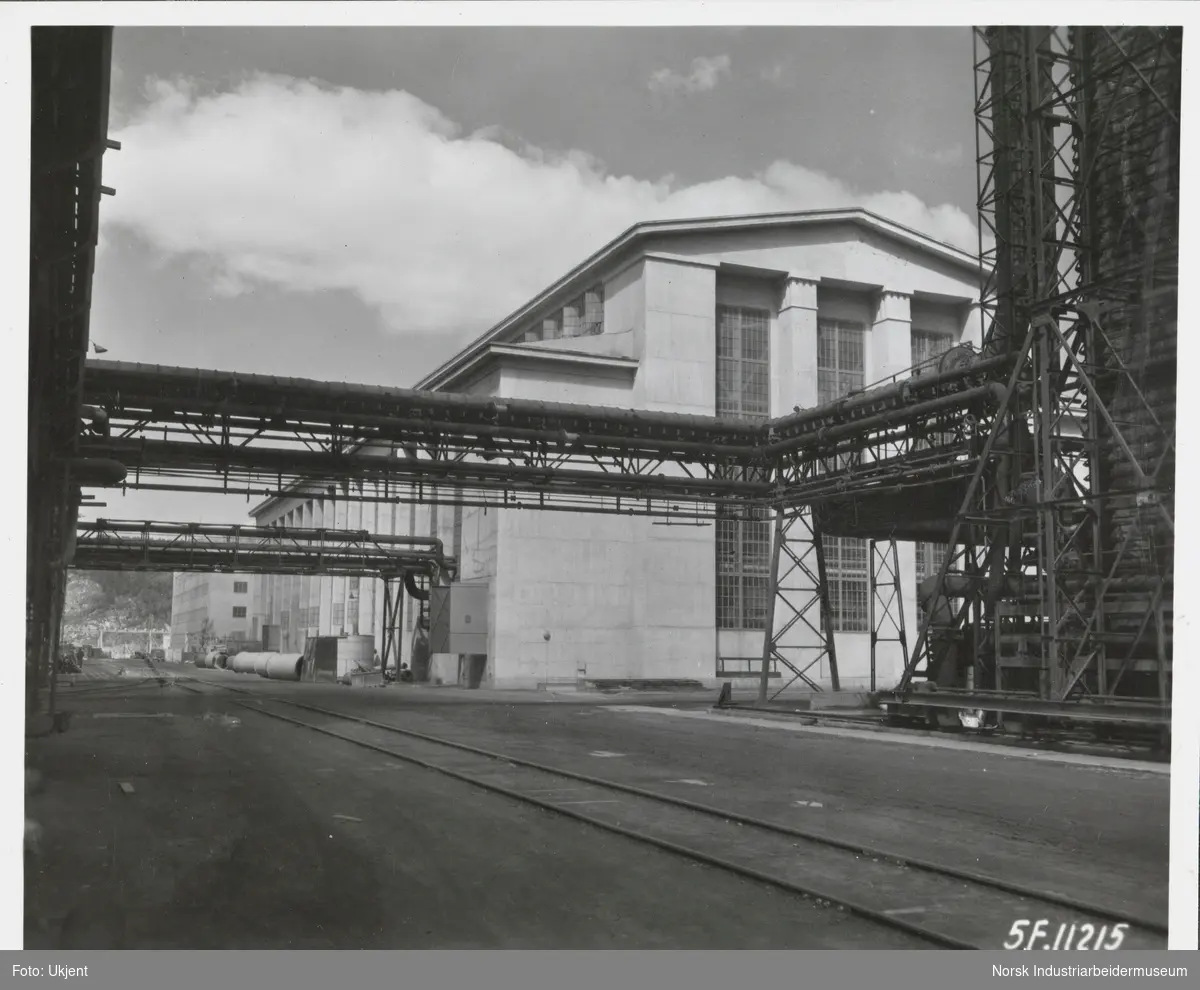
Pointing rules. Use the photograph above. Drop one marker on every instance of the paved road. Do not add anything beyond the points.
(231, 836)
(1097, 833)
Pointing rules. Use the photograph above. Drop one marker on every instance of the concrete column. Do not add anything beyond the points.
(338, 590)
(367, 586)
(794, 348)
(326, 580)
(891, 336)
(891, 340)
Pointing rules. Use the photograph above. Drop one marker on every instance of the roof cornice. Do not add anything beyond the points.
(591, 267)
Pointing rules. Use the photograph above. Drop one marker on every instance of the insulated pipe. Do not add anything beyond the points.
(128, 380)
(96, 472)
(993, 392)
(897, 394)
(410, 585)
(268, 533)
(283, 666)
(242, 663)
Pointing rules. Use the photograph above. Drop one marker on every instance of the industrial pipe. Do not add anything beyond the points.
(283, 666)
(96, 472)
(993, 392)
(411, 586)
(242, 663)
(899, 394)
(155, 382)
(267, 533)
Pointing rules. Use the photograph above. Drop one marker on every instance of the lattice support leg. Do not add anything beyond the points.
(799, 626)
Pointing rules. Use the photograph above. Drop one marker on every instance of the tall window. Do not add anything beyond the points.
(841, 359)
(846, 571)
(339, 614)
(743, 363)
(743, 392)
(927, 348)
(841, 370)
(930, 557)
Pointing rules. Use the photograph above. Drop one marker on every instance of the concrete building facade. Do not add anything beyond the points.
(744, 317)
(211, 608)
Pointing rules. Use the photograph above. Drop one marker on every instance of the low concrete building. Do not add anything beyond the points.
(743, 317)
(208, 609)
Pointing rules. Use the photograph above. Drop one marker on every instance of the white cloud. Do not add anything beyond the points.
(705, 74)
(308, 188)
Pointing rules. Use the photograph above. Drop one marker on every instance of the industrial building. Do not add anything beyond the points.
(207, 609)
(743, 317)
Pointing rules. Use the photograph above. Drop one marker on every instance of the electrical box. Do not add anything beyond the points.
(468, 618)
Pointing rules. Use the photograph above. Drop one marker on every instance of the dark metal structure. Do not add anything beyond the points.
(1064, 540)
(400, 562)
(71, 69)
(158, 546)
(184, 429)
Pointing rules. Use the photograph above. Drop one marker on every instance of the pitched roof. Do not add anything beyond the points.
(641, 231)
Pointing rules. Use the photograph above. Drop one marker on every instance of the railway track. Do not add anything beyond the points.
(936, 905)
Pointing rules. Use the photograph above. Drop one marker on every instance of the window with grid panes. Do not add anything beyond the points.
(239, 611)
(841, 370)
(240, 587)
(743, 392)
(593, 310)
(339, 614)
(929, 560)
(927, 348)
(841, 359)
(847, 573)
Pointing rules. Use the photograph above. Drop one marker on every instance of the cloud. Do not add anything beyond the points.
(286, 183)
(942, 157)
(705, 74)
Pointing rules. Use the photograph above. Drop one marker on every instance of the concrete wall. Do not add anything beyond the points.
(624, 597)
(200, 598)
(628, 599)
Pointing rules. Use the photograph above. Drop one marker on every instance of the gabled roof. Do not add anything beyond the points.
(639, 232)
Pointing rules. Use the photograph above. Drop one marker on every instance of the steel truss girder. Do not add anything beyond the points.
(125, 545)
(798, 586)
(173, 439)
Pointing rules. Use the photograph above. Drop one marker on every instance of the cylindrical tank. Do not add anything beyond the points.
(260, 663)
(284, 666)
(215, 660)
(243, 663)
(355, 653)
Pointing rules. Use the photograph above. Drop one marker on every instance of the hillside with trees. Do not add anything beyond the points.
(107, 600)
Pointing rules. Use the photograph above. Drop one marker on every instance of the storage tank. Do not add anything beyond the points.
(243, 663)
(355, 653)
(284, 666)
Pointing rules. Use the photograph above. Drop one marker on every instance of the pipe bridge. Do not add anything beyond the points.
(160, 546)
(181, 429)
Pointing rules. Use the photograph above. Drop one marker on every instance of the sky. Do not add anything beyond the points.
(357, 204)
